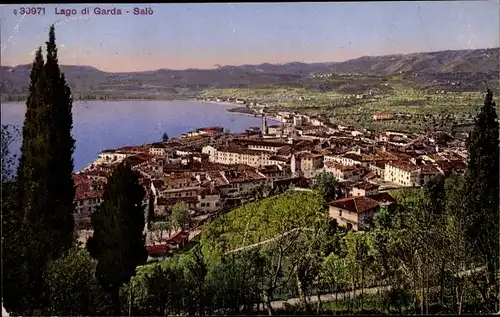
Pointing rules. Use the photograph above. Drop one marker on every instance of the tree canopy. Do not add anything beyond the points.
(118, 241)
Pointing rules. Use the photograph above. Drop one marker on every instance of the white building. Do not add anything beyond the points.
(402, 173)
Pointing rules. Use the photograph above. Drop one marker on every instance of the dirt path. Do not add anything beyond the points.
(328, 297)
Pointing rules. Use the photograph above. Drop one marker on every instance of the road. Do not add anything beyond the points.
(367, 291)
(327, 297)
(266, 241)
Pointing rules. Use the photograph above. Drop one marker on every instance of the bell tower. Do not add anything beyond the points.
(263, 128)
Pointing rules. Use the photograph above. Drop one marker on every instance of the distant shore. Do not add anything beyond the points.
(223, 103)
(234, 105)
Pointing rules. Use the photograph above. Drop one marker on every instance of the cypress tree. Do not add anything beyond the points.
(60, 166)
(23, 233)
(482, 181)
(151, 211)
(43, 216)
(118, 241)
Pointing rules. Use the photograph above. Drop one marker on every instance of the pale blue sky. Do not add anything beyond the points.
(201, 35)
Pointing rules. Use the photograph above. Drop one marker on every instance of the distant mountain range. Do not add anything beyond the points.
(89, 83)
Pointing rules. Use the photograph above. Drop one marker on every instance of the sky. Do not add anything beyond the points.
(180, 36)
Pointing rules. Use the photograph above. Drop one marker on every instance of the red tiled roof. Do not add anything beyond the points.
(158, 250)
(180, 179)
(447, 167)
(340, 167)
(269, 169)
(383, 198)
(430, 170)
(358, 204)
(369, 175)
(159, 146)
(277, 158)
(238, 150)
(243, 176)
(208, 191)
(138, 159)
(84, 189)
(296, 181)
(403, 165)
(285, 150)
(178, 237)
(262, 143)
(353, 156)
(366, 185)
(309, 155)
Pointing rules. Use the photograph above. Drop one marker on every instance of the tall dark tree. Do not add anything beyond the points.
(61, 146)
(482, 181)
(118, 242)
(165, 137)
(151, 211)
(23, 246)
(43, 216)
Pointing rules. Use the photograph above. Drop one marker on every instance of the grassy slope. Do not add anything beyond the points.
(258, 221)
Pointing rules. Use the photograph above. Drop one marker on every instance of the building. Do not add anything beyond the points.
(275, 130)
(349, 159)
(378, 167)
(179, 185)
(268, 146)
(364, 189)
(354, 212)
(210, 151)
(88, 196)
(402, 173)
(241, 181)
(157, 251)
(382, 116)
(343, 172)
(140, 160)
(196, 140)
(384, 199)
(111, 156)
(307, 164)
(235, 155)
(208, 200)
(274, 172)
(315, 121)
(159, 149)
(297, 121)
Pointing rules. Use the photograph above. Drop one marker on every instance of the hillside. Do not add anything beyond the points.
(257, 221)
(461, 61)
(90, 83)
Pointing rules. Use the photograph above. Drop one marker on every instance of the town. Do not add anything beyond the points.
(249, 159)
(210, 171)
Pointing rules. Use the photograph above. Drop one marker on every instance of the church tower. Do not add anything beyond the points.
(263, 128)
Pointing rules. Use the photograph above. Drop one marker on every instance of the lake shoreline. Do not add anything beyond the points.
(99, 124)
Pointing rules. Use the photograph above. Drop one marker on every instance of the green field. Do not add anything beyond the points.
(354, 99)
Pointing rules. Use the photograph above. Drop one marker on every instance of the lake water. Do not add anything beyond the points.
(99, 125)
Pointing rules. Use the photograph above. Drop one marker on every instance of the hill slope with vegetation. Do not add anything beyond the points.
(258, 221)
